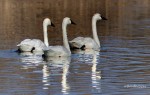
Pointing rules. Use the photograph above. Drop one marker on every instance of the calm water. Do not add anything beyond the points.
(120, 68)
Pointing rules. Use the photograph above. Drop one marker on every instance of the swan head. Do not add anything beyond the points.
(47, 22)
(67, 21)
(98, 16)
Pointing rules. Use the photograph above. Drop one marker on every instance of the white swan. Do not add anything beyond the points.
(64, 50)
(87, 42)
(29, 45)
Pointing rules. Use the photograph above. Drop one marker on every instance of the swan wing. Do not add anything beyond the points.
(80, 42)
(38, 44)
(90, 43)
(26, 45)
(77, 42)
(25, 42)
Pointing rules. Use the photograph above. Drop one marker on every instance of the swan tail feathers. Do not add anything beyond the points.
(19, 45)
(74, 45)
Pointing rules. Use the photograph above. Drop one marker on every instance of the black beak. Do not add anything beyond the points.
(52, 24)
(73, 22)
(103, 18)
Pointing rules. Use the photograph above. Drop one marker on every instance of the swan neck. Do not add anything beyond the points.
(45, 34)
(65, 38)
(94, 29)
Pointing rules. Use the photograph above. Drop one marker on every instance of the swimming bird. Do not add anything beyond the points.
(87, 42)
(59, 51)
(30, 45)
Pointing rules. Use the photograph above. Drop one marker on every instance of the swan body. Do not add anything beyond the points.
(64, 50)
(57, 60)
(56, 51)
(25, 45)
(28, 45)
(84, 43)
(87, 42)
(35, 45)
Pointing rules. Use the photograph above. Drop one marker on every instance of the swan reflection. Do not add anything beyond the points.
(52, 66)
(30, 60)
(46, 74)
(91, 56)
(96, 75)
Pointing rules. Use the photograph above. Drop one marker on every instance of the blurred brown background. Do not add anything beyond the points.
(20, 19)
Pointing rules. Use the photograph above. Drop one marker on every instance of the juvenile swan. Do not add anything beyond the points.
(29, 45)
(59, 51)
(87, 42)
